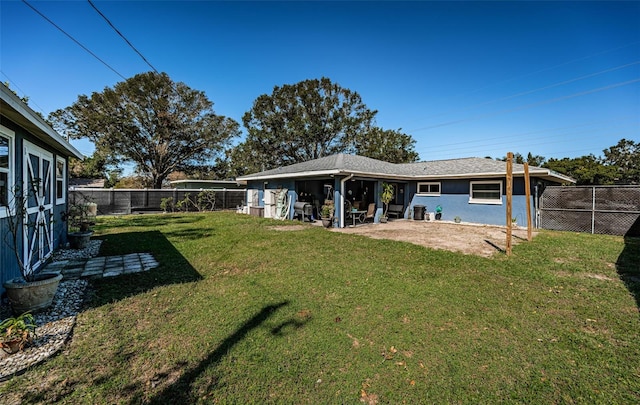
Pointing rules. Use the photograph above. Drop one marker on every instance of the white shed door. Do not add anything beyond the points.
(38, 193)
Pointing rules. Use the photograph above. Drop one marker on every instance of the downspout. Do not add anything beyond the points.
(342, 191)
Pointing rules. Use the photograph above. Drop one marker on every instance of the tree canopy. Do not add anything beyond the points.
(531, 160)
(157, 124)
(387, 145)
(625, 155)
(309, 120)
(586, 170)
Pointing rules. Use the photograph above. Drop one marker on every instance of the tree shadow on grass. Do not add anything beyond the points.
(173, 267)
(628, 263)
(181, 391)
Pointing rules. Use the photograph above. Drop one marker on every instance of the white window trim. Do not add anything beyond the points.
(64, 180)
(429, 183)
(483, 200)
(11, 173)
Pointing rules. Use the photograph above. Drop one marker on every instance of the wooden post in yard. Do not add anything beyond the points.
(509, 198)
(527, 192)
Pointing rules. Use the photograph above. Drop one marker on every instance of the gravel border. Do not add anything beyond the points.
(54, 325)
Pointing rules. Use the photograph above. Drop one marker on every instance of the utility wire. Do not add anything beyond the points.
(527, 134)
(526, 106)
(14, 84)
(524, 93)
(74, 40)
(122, 36)
(548, 68)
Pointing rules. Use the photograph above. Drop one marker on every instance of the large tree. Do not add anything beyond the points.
(586, 170)
(531, 159)
(626, 157)
(387, 145)
(303, 121)
(159, 125)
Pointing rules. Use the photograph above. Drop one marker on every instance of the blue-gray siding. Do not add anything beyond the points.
(454, 199)
(8, 264)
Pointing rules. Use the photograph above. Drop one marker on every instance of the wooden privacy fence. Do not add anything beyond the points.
(611, 210)
(126, 201)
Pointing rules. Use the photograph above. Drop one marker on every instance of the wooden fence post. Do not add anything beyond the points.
(509, 199)
(527, 192)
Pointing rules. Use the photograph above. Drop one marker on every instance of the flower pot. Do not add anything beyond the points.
(79, 240)
(383, 220)
(12, 346)
(32, 296)
(327, 222)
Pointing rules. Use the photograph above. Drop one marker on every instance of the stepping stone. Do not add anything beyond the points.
(112, 273)
(91, 272)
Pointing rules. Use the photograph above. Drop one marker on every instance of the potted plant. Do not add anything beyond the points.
(326, 212)
(80, 217)
(16, 333)
(387, 194)
(514, 222)
(32, 291)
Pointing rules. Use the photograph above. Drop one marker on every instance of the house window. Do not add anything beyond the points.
(60, 183)
(429, 188)
(485, 192)
(6, 170)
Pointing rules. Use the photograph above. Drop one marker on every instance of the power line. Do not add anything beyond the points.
(590, 132)
(548, 68)
(14, 84)
(526, 106)
(122, 36)
(524, 93)
(449, 146)
(74, 40)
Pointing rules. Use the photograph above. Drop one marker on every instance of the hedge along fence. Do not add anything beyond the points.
(112, 201)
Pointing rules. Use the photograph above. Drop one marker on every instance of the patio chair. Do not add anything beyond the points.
(371, 212)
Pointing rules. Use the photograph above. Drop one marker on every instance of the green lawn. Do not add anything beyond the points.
(240, 313)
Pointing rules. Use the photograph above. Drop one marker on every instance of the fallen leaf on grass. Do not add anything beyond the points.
(356, 342)
(369, 399)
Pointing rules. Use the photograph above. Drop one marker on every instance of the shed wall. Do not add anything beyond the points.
(9, 268)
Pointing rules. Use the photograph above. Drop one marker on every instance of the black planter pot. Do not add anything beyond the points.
(79, 240)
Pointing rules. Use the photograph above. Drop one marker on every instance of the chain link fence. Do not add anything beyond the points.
(128, 201)
(610, 210)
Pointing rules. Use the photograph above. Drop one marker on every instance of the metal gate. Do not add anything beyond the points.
(610, 210)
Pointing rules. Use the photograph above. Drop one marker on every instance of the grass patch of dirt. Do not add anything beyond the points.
(474, 239)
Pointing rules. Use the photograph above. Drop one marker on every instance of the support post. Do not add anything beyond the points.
(509, 193)
(527, 192)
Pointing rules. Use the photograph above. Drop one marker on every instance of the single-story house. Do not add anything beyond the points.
(83, 182)
(472, 189)
(33, 157)
(205, 184)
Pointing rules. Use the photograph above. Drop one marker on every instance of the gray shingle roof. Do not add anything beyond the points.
(367, 167)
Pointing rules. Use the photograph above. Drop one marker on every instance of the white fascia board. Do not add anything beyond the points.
(202, 181)
(289, 175)
(24, 110)
(539, 173)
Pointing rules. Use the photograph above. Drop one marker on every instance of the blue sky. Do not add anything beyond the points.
(558, 79)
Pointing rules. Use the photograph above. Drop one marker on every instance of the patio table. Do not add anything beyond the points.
(357, 214)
